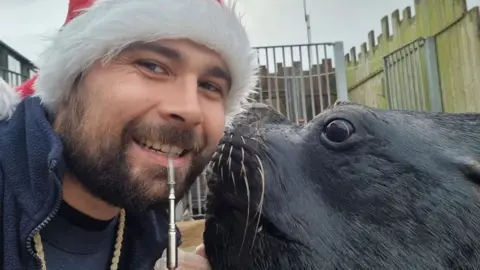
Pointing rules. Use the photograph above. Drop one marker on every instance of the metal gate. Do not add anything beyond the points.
(299, 81)
(411, 77)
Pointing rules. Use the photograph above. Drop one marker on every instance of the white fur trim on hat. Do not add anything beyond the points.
(9, 99)
(109, 26)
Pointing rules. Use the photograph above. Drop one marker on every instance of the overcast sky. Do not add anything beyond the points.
(269, 22)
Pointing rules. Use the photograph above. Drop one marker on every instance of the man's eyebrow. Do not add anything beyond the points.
(220, 73)
(173, 54)
(155, 48)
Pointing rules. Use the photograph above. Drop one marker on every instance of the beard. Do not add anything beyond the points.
(101, 164)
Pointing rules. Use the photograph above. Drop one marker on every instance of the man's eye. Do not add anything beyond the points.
(210, 87)
(151, 66)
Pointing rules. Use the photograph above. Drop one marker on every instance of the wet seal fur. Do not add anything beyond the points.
(356, 188)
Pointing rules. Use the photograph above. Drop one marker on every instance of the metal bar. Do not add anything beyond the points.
(417, 72)
(268, 78)
(420, 74)
(199, 197)
(393, 97)
(327, 73)
(340, 71)
(260, 90)
(302, 87)
(319, 78)
(403, 86)
(434, 88)
(393, 82)
(312, 94)
(180, 208)
(411, 79)
(285, 84)
(294, 90)
(190, 203)
(386, 75)
(277, 93)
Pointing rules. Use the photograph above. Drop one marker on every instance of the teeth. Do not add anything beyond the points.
(148, 144)
(175, 150)
(164, 148)
(158, 146)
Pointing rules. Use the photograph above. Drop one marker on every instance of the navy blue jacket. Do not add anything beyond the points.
(31, 173)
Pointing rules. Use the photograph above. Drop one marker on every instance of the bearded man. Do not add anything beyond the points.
(83, 160)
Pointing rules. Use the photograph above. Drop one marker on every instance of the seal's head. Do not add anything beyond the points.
(356, 188)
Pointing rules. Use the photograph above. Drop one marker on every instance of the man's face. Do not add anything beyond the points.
(125, 117)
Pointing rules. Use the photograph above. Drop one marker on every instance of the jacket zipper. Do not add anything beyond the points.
(45, 222)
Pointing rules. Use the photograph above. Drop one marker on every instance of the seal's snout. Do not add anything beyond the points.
(236, 165)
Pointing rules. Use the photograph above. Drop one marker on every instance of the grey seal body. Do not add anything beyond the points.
(356, 188)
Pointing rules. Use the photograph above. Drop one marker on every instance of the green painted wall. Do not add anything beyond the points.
(458, 53)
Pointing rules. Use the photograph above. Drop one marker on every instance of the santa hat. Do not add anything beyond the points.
(100, 29)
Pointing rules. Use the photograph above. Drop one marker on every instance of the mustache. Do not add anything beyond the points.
(167, 134)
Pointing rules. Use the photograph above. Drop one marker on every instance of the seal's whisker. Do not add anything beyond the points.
(248, 213)
(212, 164)
(234, 184)
(260, 204)
(255, 139)
(229, 162)
(243, 170)
(243, 139)
(262, 176)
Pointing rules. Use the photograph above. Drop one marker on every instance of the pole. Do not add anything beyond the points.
(307, 22)
(172, 259)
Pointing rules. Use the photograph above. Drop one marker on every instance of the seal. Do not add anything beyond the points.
(355, 188)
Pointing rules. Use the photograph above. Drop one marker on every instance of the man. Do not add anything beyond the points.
(124, 85)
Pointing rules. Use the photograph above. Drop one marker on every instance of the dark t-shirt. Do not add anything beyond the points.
(75, 241)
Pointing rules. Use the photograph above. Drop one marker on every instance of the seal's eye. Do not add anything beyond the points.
(338, 130)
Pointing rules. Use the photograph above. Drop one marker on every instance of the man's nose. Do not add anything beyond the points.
(181, 105)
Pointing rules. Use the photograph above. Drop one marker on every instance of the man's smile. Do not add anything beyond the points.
(158, 153)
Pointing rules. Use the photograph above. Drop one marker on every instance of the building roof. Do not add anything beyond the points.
(16, 54)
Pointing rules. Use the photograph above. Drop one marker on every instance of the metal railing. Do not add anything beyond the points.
(299, 81)
(14, 79)
(411, 79)
(192, 206)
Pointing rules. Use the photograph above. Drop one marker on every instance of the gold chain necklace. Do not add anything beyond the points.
(37, 240)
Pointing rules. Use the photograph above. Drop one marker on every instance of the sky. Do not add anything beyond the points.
(268, 22)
